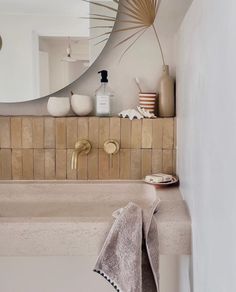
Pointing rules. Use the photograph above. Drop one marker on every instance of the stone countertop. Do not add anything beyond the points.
(71, 236)
(174, 223)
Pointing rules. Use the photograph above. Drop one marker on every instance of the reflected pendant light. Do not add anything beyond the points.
(68, 57)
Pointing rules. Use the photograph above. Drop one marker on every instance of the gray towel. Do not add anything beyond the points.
(129, 259)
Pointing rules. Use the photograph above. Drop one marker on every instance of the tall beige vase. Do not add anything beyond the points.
(166, 95)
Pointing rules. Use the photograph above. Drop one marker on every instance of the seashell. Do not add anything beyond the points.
(146, 113)
(131, 114)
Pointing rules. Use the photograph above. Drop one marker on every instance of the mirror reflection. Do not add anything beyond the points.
(61, 61)
(48, 45)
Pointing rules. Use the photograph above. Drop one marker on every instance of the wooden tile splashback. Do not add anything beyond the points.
(40, 148)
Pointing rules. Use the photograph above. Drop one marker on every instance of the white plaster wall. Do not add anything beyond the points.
(206, 98)
(143, 60)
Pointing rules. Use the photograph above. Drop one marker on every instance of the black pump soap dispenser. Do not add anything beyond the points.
(103, 96)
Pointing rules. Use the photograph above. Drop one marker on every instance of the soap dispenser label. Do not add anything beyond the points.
(103, 105)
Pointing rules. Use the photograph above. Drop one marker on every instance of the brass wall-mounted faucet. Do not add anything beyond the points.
(82, 147)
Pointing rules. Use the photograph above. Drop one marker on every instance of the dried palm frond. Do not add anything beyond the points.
(100, 16)
(139, 16)
(103, 18)
(0, 43)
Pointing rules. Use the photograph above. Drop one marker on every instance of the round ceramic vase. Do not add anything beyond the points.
(82, 105)
(58, 106)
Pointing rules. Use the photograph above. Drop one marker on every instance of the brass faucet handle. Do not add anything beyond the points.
(83, 146)
(111, 147)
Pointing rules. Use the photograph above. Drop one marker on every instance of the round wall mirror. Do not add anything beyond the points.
(49, 44)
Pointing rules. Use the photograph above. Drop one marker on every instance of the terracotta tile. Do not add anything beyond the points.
(125, 133)
(175, 133)
(83, 128)
(50, 164)
(157, 133)
(168, 133)
(104, 131)
(5, 132)
(157, 161)
(27, 132)
(168, 161)
(114, 166)
(125, 163)
(28, 164)
(115, 129)
(147, 134)
(174, 162)
(136, 134)
(17, 167)
(72, 129)
(71, 174)
(16, 130)
(93, 164)
(128, 164)
(104, 162)
(146, 162)
(82, 167)
(60, 133)
(61, 164)
(5, 164)
(39, 164)
(49, 133)
(38, 133)
(136, 164)
(94, 131)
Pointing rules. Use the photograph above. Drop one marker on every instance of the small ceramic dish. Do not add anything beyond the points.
(173, 182)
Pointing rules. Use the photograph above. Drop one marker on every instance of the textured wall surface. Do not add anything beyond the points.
(207, 139)
(41, 147)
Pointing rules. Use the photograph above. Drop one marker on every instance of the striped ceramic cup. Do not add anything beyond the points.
(148, 101)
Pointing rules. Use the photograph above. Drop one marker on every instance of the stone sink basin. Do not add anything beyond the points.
(62, 218)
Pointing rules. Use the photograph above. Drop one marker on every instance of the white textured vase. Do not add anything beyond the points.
(82, 105)
(58, 106)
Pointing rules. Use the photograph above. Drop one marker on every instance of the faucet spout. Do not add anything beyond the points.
(82, 147)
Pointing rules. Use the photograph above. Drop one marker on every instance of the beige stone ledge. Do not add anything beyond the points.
(72, 218)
